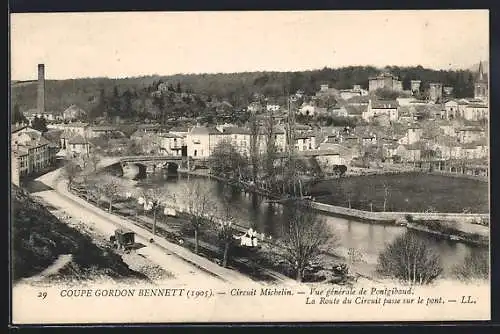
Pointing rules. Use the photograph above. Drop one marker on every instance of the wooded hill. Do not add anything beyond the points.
(134, 94)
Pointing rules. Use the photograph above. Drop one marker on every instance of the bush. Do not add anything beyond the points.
(474, 266)
(411, 260)
(409, 218)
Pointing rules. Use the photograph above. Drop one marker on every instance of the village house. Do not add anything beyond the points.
(325, 90)
(73, 112)
(355, 111)
(476, 112)
(470, 134)
(345, 154)
(200, 140)
(54, 138)
(356, 90)
(78, 146)
(279, 139)
(413, 135)
(358, 100)
(376, 108)
(448, 129)
(170, 144)
(104, 130)
(30, 149)
(339, 111)
(73, 128)
(475, 150)
(273, 107)
(462, 105)
(305, 141)
(410, 153)
(254, 107)
(238, 137)
(150, 128)
(181, 132)
(405, 101)
(307, 109)
(451, 110)
(325, 158)
(49, 116)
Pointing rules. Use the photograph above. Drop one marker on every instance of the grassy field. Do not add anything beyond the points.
(406, 192)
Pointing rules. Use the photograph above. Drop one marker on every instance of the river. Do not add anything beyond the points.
(366, 238)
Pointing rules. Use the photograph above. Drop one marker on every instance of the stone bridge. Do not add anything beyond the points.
(147, 161)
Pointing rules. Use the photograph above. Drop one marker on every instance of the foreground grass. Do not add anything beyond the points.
(39, 239)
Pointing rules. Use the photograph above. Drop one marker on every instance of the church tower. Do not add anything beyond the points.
(481, 84)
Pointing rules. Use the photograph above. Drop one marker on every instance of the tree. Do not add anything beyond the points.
(411, 260)
(39, 123)
(225, 234)
(111, 187)
(271, 150)
(17, 116)
(386, 194)
(225, 229)
(227, 161)
(93, 159)
(305, 236)
(254, 146)
(70, 171)
(386, 94)
(197, 200)
(152, 202)
(475, 266)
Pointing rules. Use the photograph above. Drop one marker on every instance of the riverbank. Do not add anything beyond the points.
(262, 263)
(471, 228)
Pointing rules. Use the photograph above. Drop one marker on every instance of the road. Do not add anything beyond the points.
(184, 265)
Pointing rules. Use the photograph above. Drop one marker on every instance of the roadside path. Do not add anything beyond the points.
(183, 264)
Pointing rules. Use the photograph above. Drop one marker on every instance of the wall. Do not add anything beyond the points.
(464, 221)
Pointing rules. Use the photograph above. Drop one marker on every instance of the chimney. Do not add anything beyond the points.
(41, 89)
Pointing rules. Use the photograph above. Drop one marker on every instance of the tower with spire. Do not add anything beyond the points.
(481, 84)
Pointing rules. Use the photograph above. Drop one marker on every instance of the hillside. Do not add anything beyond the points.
(40, 242)
(134, 94)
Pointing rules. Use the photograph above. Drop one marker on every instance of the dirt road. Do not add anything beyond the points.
(185, 266)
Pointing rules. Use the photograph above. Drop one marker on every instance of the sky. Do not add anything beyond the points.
(76, 45)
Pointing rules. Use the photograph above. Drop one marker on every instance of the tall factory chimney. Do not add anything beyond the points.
(41, 89)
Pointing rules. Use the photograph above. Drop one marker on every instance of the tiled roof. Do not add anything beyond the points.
(477, 105)
(472, 128)
(17, 128)
(179, 129)
(77, 140)
(169, 135)
(104, 128)
(387, 104)
(203, 130)
(234, 130)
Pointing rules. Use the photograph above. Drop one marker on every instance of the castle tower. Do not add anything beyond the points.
(481, 84)
(41, 89)
(415, 86)
(435, 91)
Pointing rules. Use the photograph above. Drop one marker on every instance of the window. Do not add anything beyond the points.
(195, 153)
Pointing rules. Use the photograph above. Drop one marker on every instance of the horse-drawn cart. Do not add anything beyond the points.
(123, 239)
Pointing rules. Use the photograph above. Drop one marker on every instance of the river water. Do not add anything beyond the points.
(367, 239)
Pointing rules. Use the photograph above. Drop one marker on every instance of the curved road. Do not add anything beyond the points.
(183, 264)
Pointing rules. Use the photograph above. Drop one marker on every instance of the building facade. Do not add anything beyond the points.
(384, 81)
